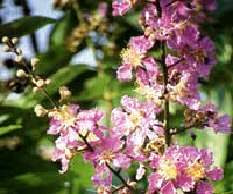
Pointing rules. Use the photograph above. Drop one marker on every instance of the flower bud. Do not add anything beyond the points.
(19, 58)
(47, 81)
(64, 92)
(5, 39)
(20, 73)
(15, 40)
(40, 111)
(6, 48)
(40, 83)
(34, 62)
(19, 51)
(35, 89)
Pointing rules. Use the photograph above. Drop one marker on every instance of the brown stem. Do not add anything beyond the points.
(87, 144)
(30, 72)
(166, 98)
(118, 189)
(115, 172)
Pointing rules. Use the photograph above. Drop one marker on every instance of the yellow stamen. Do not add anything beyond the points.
(196, 171)
(131, 57)
(168, 170)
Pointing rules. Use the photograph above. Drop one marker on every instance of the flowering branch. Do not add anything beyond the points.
(138, 134)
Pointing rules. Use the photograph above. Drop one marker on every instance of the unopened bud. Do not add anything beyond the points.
(19, 59)
(35, 89)
(5, 39)
(47, 81)
(64, 92)
(40, 83)
(6, 48)
(34, 62)
(40, 111)
(200, 115)
(15, 40)
(19, 51)
(132, 184)
(20, 73)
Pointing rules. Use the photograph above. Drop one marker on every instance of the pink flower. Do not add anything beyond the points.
(221, 124)
(124, 73)
(103, 176)
(215, 174)
(182, 167)
(204, 188)
(168, 188)
(120, 7)
(133, 58)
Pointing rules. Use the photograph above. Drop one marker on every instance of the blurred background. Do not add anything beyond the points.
(79, 49)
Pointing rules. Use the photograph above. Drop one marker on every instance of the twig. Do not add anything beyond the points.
(166, 99)
(87, 144)
(117, 174)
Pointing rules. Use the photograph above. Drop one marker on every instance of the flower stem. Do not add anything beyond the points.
(166, 98)
(115, 172)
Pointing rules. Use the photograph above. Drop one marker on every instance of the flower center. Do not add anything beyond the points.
(168, 170)
(136, 117)
(107, 157)
(65, 115)
(196, 171)
(131, 57)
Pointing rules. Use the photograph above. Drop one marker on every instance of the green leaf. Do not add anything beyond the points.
(24, 25)
(62, 29)
(7, 129)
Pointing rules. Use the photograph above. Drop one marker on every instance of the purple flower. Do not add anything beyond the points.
(103, 176)
(124, 73)
(120, 7)
(204, 188)
(221, 124)
(215, 174)
(168, 188)
(182, 167)
(133, 57)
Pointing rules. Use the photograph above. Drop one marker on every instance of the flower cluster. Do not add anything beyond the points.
(73, 127)
(183, 167)
(207, 116)
(141, 130)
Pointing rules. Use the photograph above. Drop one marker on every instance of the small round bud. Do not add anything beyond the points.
(40, 83)
(20, 73)
(5, 39)
(6, 48)
(200, 115)
(15, 40)
(47, 81)
(40, 111)
(64, 92)
(19, 51)
(35, 89)
(34, 62)
(19, 59)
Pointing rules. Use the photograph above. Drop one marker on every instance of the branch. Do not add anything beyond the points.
(87, 144)
(180, 130)
(115, 172)
(166, 99)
